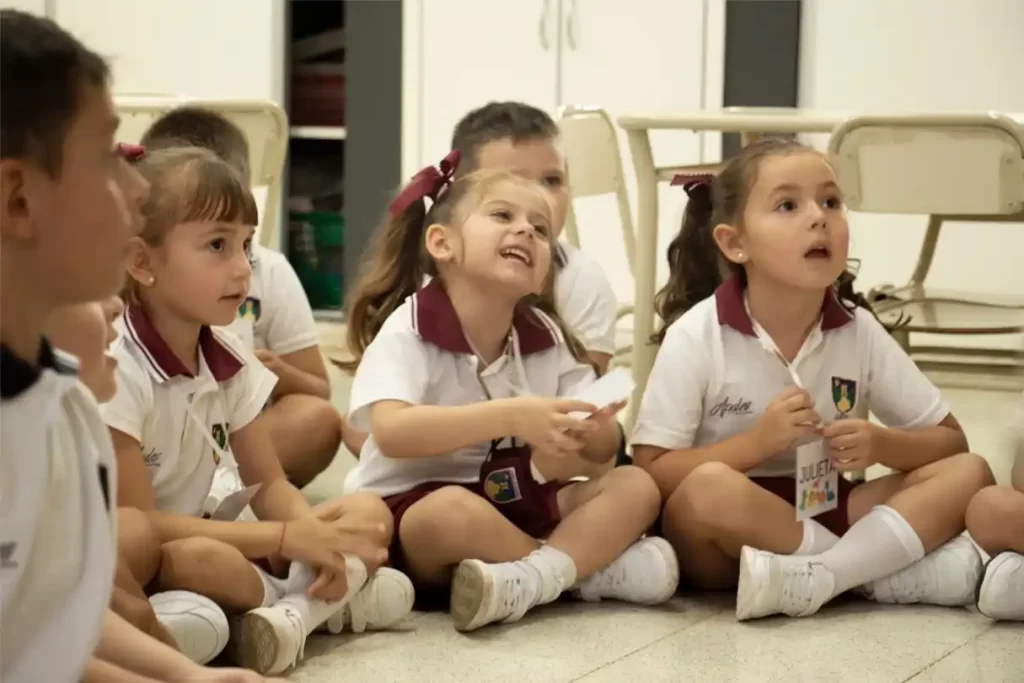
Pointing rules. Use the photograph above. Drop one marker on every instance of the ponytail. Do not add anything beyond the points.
(393, 270)
(695, 263)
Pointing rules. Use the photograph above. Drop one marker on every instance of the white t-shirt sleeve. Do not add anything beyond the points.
(898, 393)
(586, 301)
(573, 375)
(395, 367)
(133, 401)
(249, 390)
(673, 402)
(286, 324)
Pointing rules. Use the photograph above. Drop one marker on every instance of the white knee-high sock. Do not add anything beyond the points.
(273, 588)
(817, 539)
(556, 570)
(879, 544)
(314, 611)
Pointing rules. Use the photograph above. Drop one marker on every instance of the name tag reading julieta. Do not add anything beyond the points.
(817, 482)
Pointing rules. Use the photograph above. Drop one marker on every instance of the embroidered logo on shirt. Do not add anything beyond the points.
(7, 551)
(728, 408)
(844, 394)
(502, 486)
(250, 309)
(220, 436)
(151, 458)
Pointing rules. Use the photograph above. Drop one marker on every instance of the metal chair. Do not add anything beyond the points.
(951, 167)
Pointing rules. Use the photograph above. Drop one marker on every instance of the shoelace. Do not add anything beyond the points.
(515, 602)
(797, 589)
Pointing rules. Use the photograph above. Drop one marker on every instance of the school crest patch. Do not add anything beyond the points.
(844, 394)
(220, 436)
(250, 309)
(502, 486)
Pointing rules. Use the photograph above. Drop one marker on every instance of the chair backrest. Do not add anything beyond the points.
(265, 126)
(592, 150)
(938, 164)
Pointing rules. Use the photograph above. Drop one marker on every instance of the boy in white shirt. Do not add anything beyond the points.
(275, 321)
(64, 231)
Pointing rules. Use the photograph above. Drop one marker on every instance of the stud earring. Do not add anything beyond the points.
(151, 281)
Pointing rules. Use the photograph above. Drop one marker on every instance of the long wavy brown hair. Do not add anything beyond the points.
(397, 262)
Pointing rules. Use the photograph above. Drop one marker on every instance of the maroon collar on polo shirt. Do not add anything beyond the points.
(436, 322)
(733, 312)
(223, 363)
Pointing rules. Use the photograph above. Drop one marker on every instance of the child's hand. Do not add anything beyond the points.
(787, 419)
(852, 443)
(323, 544)
(546, 425)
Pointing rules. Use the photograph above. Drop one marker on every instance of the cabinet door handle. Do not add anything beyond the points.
(542, 25)
(571, 25)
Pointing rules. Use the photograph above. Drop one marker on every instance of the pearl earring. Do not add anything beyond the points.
(150, 281)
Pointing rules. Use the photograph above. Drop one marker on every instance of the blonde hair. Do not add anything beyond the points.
(189, 184)
(397, 261)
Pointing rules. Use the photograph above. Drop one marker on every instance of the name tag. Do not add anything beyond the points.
(817, 482)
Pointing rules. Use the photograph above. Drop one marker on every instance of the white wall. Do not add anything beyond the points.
(230, 49)
(912, 56)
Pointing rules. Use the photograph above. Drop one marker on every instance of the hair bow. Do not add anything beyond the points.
(131, 152)
(427, 183)
(691, 182)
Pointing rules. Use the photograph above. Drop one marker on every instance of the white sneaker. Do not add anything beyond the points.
(268, 640)
(198, 624)
(385, 599)
(946, 576)
(1001, 591)
(485, 593)
(780, 584)
(647, 573)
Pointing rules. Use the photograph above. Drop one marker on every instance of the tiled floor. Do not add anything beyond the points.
(695, 638)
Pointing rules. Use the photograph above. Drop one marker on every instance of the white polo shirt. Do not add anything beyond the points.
(421, 357)
(156, 393)
(276, 315)
(57, 529)
(712, 378)
(586, 301)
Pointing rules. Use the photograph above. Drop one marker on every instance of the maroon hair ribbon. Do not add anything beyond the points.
(691, 181)
(427, 183)
(131, 152)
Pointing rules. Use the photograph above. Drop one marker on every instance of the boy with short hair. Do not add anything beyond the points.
(275, 320)
(65, 223)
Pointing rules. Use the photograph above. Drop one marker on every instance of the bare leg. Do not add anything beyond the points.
(138, 559)
(716, 511)
(995, 520)
(306, 430)
(451, 525)
(602, 517)
(211, 568)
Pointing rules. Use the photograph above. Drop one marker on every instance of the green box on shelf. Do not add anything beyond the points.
(316, 243)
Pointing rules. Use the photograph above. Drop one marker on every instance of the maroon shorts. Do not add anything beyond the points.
(506, 483)
(837, 521)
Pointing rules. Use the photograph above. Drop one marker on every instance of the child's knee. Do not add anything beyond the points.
(135, 530)
(198, 554)
(138, 544)
(990, 513)
(369, 507)
(636, 485)
(451, 512)
(971, 471)
(708, 495)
